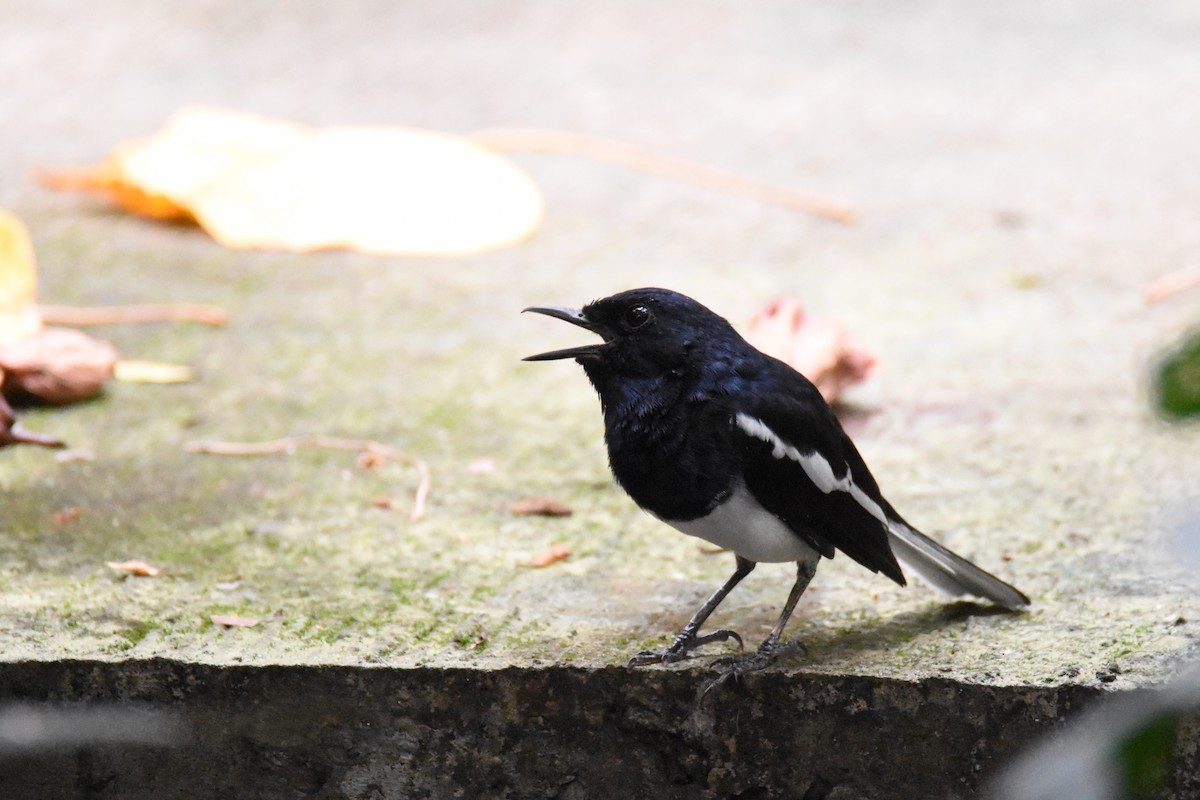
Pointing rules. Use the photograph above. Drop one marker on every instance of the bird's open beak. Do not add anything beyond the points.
(575, 317)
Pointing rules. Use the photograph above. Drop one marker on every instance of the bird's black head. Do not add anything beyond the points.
(647, 333)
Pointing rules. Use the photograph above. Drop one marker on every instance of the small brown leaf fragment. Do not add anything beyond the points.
(72, 456)
(371, 459)
(66, 516)
(480, 640)
(231, 621)
(134, 567)
(382, 502)
(541, 505)
(551, 555)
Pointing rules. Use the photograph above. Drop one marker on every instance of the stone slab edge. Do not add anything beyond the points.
(344, 731)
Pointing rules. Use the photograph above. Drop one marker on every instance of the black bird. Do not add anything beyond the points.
(721, 441)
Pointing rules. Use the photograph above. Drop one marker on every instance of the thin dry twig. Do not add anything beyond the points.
(77, 316)
(291, 444)
(1172, 283)
(637, 158)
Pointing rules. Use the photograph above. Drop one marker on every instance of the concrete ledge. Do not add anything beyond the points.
(341, 731)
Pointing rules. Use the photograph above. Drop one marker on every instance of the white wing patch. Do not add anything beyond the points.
(814, 465)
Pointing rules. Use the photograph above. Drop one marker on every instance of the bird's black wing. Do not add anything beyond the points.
(801, 466)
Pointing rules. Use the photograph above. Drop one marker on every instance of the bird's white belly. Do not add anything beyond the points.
(745, 527)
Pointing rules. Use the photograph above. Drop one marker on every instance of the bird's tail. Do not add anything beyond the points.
(949, 571)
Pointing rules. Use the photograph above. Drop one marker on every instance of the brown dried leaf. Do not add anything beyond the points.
(818, 349)
(55, 366)
(541, 506)
(551, 555)
(134, 567)
(231, 621)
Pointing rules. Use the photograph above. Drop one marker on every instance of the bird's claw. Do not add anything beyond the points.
(736, 666)
(682, 646)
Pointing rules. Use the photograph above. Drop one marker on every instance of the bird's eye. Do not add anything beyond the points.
(636, 317)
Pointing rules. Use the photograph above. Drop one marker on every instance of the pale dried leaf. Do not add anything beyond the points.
(231, 621)
(134, 371)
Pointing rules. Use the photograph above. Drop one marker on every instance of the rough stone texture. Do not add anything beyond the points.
(1022, 170)
(551, 733)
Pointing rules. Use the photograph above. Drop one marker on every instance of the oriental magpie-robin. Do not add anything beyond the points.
(723, 442)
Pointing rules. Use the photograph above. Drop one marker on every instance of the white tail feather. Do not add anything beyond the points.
(948, 571)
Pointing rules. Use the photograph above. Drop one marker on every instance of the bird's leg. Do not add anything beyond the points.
(805, 570)
(687, 640)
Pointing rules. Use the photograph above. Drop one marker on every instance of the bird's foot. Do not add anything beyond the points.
(684, 644)
(736, 666)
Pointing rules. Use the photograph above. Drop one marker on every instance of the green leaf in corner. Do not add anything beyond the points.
(1177, 384)
(1145, 755)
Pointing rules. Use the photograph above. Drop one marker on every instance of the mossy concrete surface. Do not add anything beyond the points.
(1021, 176)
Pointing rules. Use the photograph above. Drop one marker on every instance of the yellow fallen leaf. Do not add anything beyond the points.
(18, 281)
(133, 371)
(254, 182)
(134, 567)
